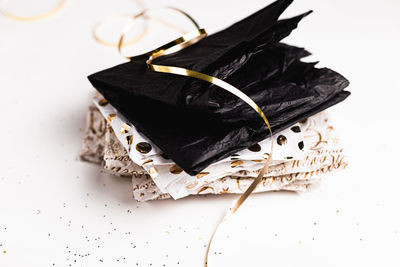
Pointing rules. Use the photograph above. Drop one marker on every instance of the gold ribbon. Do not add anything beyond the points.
(171, 47)
(177, 45)
(96, 35)
(10, 15)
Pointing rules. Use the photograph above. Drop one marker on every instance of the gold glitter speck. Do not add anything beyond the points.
(235, 157)
(111, 117)
(143, 147)
(281, 140)
(191, 186)
(129, 139)
(205, 188)
(175, 169)
(225, 190)
(202, 174)
(153, 172)
(147, 161)
(236, 163)
(103, 102)
(255, 148)
(125, 128)
(295, 129)
(301, 145)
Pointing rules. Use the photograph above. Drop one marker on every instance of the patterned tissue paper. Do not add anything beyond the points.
(321, 153)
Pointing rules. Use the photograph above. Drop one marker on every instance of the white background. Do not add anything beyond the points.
(54, 208)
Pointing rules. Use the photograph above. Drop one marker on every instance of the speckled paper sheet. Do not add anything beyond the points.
(166, 174)
(321, 154)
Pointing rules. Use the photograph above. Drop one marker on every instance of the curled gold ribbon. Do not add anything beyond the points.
(98, 25)
(96, 36)
(10, 15)
(177, 45)
(171, 47)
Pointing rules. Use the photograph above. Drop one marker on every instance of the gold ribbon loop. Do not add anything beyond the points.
(168, 48)
(171, 47)
(177, 45)
(96, 35)
(120, 44)
(10, 15)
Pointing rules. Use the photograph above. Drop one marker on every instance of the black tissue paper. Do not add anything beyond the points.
(196, 123)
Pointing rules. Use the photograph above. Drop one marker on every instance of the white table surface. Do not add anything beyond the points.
(58, 211)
